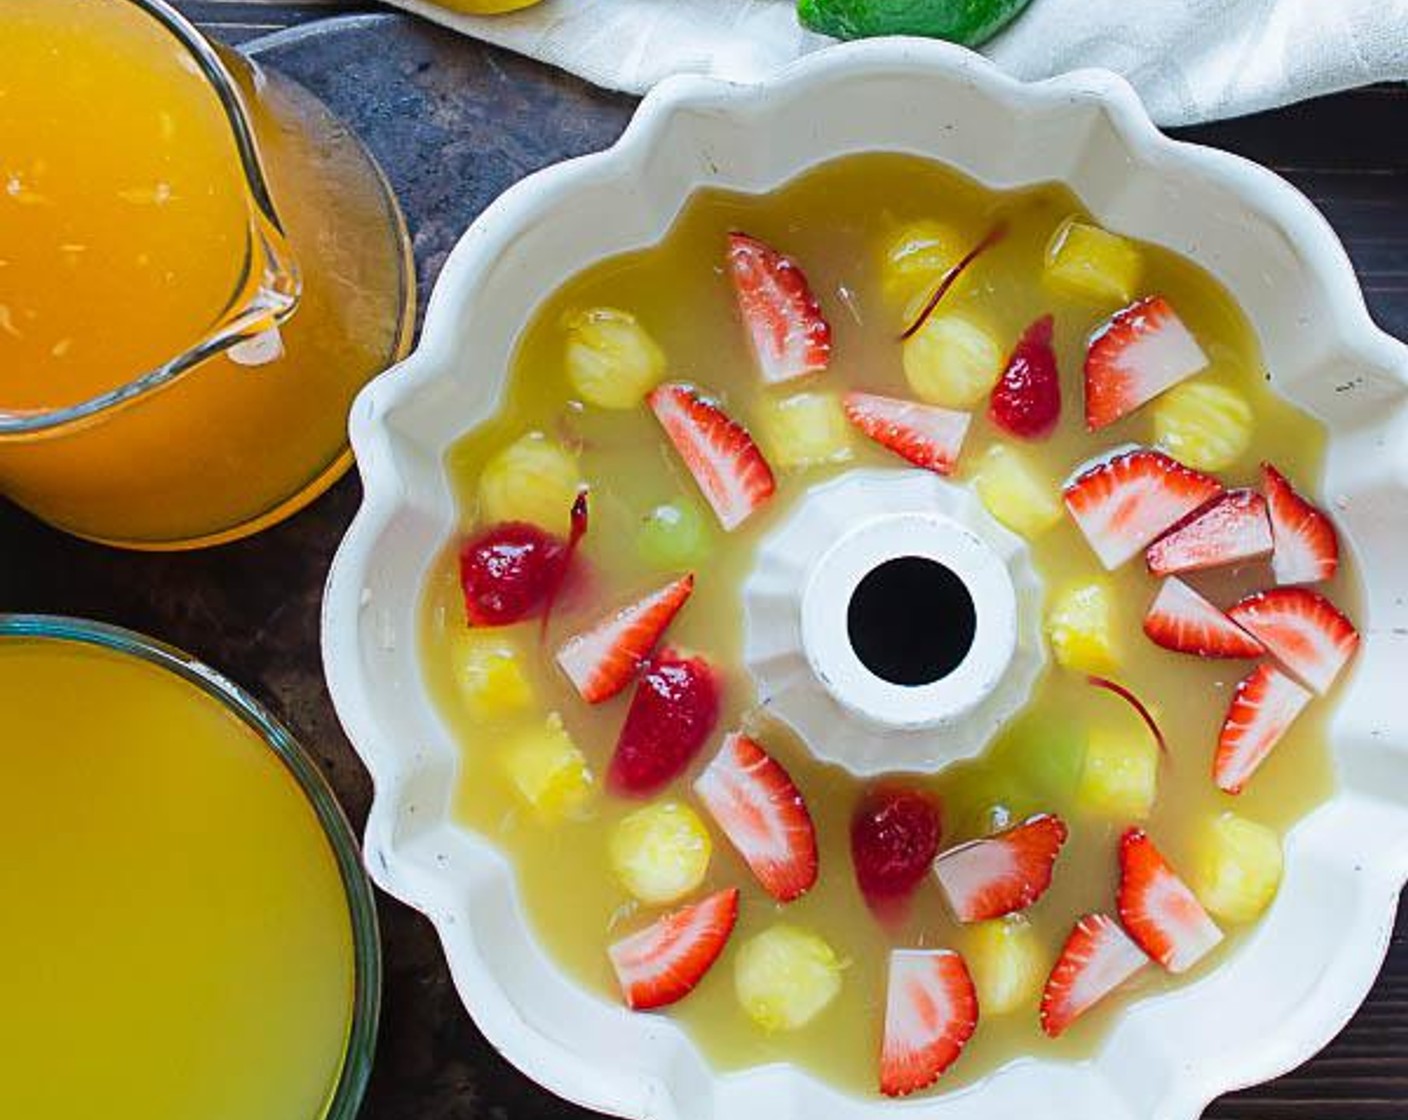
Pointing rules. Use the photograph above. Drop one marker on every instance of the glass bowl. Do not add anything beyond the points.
(345, 1098)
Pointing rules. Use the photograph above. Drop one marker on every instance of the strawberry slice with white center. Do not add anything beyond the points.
(788, 332)
(753, 801)
(1140, 352)
(1233, 529)
(725, 462)
(931, 1011)
(664, 961)
(1306, 547)
(1303, 631)
(1263, 708)
(1124, 503)
(1001, 874)
(1097, 958)
(1182, 620)
(601, 661)
(1163, 916)
(926, 435)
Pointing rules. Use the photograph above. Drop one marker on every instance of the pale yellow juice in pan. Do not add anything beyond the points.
(836, 221)
(176, 940)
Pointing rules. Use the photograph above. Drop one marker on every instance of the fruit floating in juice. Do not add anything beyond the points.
(138, 227)
(1105, 401)
(177, 939)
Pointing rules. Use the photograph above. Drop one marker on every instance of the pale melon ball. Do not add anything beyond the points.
(661, 852)
(533, 479)
(611, 361)
(953, 361)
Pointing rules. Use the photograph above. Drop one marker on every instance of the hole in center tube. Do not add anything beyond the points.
(911, 621)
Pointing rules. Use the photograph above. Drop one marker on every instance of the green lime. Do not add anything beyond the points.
(969, 22)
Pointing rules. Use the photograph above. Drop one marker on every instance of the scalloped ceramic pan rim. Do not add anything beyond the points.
(1300, 974)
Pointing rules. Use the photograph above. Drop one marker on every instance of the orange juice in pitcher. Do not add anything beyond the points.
(198, 270)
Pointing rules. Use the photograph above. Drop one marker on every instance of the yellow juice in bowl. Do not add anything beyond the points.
(178, 941)
(158, 198)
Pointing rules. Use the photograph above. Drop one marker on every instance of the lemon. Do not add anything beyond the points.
(485, 7)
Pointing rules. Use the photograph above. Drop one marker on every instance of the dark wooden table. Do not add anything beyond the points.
(453, 123)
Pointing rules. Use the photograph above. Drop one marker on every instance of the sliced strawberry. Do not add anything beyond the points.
(663, 962)
(1264, 706)
(926, 435)
(1182, 620)
(601, 661)
(1097, 958)
(931, 1011)
(1233, 529)
(1001, 874)
(1026, 401)
(755, 804)
(1303, 631)
(672, 713)
(1163, 916)
(1141, 352)
(1123, 503)
(789, 333)
(725, 462)
(1307, 549)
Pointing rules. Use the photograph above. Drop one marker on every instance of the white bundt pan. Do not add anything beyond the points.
(1297, 979)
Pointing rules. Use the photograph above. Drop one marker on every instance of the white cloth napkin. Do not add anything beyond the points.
(1191, 60)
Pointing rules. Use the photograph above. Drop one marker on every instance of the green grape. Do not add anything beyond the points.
(673, 535)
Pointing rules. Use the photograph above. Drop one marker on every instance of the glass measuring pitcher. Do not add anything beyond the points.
(199, 268)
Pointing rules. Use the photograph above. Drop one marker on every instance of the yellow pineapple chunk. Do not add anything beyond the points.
(1008, 964)
(661, 852)
(952, 361)
(488, 671)
(548, 771)
(611, 361)
(1236, 869)
(1088, 262)
(1120, 777)
(1203, 424)
(1080, 627)
(533, 479)
(804, 430)
(1015, 492)
(785, 976)
(915, 260)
